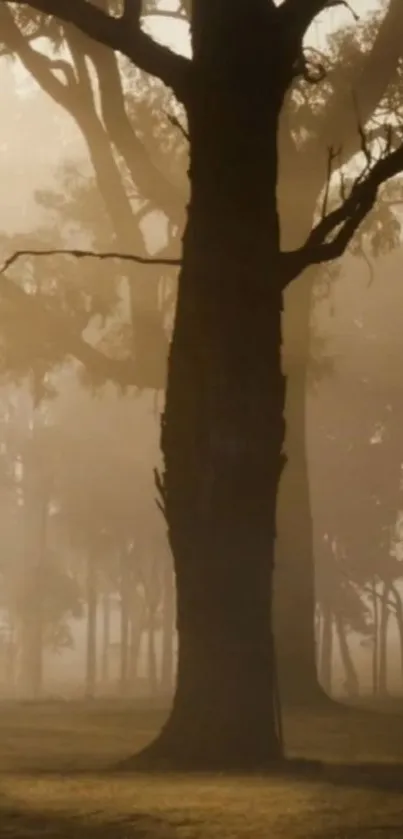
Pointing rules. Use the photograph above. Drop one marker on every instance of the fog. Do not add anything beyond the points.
(77, 484)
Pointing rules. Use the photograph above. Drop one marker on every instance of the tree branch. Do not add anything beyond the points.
(301, 13)
(369, 79)
(333, 233)
(123, 372)
(125, 35)
(153, 182)
(80, 253)
(132, 12)
(39, 65)
(296, 16)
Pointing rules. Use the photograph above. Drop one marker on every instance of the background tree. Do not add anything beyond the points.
(359, 439)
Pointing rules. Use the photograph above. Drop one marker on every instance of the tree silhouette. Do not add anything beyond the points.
(223, 425)
(310, 116)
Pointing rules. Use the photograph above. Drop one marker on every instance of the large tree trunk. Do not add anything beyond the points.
(294, 581)
(295, 575)
(223, 427)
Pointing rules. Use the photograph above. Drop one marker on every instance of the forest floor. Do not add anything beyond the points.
(57, 780)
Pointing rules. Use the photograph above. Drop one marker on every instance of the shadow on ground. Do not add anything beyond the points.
(363, 775)
(17, 823)
(377, 776)
(386, 777)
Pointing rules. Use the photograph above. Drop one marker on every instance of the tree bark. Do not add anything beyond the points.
(295, 576)
(223, 426)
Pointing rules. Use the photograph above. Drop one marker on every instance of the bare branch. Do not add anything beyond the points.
(369, 264)
(123, 372)
(310, 65)
(130, 40)
(369, 77)
(296, 17)
(333, 233)
(80, 253)
(175, 122)
(39, 65)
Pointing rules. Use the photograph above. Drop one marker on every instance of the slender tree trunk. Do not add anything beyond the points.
(124, 623)
(352, 685)
(168, 628)
(136, 632)
(326, 652)
(39, 594)
(37, 645)
(223, 426)
(106, 633)
(152, 668)
(375, 652)
(11, 658)
(92, 603)
(32, 629)
(399, 621)
(153, 597)
(383, 641)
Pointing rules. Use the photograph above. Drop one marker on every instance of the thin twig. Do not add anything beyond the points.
(80, 253)
(177, 124)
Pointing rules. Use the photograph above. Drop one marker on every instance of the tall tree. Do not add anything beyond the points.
(307, 115)
(367, 66)
(223, 425)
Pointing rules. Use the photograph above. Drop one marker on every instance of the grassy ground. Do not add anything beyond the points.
(57, 781)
